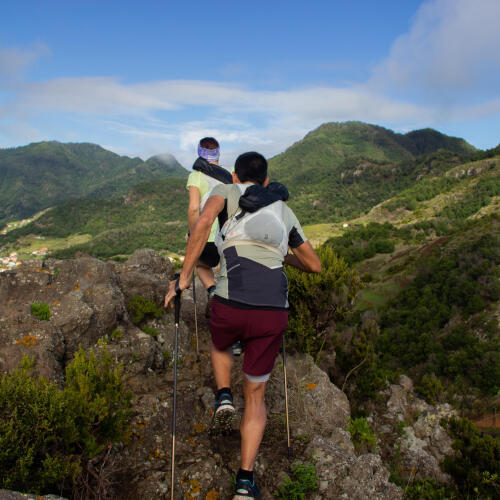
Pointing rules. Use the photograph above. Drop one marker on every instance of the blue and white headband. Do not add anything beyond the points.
(209, 154)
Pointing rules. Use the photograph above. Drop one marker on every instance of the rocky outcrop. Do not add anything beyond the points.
(411, 432)
(321, 405)
(14, 495)
(88, 302)
(425, 443)
(344, 475)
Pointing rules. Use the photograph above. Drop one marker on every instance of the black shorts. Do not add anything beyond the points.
(210, 255)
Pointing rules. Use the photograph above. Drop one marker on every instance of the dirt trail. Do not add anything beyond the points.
(491, 421)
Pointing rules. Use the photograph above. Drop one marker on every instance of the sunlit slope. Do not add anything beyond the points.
(151, 215)
(45, 174)
(341, 170)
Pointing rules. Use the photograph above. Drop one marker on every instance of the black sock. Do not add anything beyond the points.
(245, 474)
(211, 289)
(224, 390)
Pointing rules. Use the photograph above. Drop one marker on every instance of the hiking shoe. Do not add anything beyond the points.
(238, 348)
(245, 489)
(224, 414)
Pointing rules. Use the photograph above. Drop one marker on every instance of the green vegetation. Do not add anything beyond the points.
(304, 480)
(95, 387)
(116, 334)
(150, 331)
(47, 433)
(317, 299)
(431, 388)
(362, 242)
(476, 466)
(362, 436)
(438, 329)
(69, 171)
(457, 284)
(439, 326)
(167, 357)
(427, 489)
(151, 216)
(341, 170)
(479, 196)
(142, 309)
(40, 310)
(421, 191)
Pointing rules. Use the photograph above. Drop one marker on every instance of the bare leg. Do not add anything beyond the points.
(205, 274)
(222, 362)
(253, 422)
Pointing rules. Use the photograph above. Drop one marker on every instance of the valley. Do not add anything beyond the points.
(404, 318)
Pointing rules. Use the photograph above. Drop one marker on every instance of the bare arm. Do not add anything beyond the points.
(194, 206)
(199, 236)
(304, 258)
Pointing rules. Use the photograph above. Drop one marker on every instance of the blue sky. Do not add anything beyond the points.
(148, 77)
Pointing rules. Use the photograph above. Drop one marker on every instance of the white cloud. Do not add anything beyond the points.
(14, 60)
(107, 96)
(453, 47)
(239, 117)
(449, 57)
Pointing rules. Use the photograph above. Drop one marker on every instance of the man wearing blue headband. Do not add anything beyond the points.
(199, 185)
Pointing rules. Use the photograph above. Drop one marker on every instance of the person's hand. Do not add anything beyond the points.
(183, 284)
(186, 237)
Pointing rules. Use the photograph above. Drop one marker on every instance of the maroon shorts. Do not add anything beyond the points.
(261, 332)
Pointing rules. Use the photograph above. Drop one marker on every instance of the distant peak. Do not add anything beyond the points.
(164, 158)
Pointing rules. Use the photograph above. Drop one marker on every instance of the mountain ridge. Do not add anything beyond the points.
(47, 173)
(341, 170)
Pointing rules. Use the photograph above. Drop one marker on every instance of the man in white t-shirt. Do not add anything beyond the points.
(251, 299)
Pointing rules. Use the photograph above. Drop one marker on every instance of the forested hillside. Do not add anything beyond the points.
(336, 173)
(410, 283)
(340, 170)
(46, 174)
(151, 215)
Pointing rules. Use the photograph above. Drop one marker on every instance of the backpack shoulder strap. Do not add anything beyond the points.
(215, 171)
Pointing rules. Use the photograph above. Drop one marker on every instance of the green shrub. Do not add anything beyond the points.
(38, 434)
(40, 310)
(362, 435)
(167, 356)
(317, 299)
(363, 242)
(428, 489)
(455, 281)
(384, 246)
(48, 433)
(430, 388)
(150, 331)
(479, 196)
(96, 388)
(116, 334)
(304, 481)
(141, 309)
(475, 467)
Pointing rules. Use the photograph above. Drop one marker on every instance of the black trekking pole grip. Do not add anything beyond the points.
(177, 300)
(177, 308)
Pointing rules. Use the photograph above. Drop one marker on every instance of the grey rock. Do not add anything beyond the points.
(406, 383)
(14, 495)
(317, 405)
(343, 475)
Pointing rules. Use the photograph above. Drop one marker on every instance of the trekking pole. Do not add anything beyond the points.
(174, 414)
(289, 449)
(195, 319)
